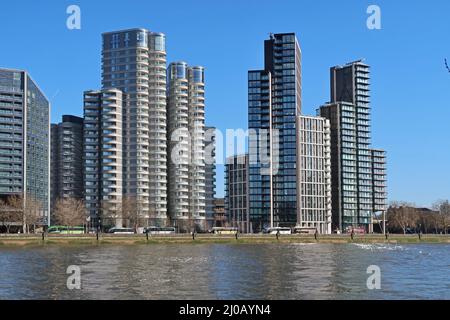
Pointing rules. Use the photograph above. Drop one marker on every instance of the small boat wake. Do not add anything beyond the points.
(379, 247)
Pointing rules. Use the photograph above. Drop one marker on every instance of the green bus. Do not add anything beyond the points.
(65, 230)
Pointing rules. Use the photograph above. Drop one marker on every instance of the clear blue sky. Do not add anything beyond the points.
(410, 85)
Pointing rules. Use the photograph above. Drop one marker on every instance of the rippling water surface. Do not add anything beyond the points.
(215, 271)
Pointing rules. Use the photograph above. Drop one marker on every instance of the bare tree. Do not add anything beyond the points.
(435, 221)
(131, 216)
(28, 211)
(443, 216)
(6, 215)
(426, 221)
(14, 208)
(184, 225)
(70, 212)
(32, 212)
(111, 213)
(402, 215)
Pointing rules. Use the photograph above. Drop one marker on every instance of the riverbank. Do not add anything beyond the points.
(108, 239)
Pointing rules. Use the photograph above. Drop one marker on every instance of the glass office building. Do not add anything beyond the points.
(351, 153)
(24, 139)
(274, 101)
(236, 192)
(379, 177)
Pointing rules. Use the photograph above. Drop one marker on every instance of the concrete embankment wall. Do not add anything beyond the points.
(108, 239)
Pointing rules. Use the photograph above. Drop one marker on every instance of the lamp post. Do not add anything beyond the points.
(88, 224)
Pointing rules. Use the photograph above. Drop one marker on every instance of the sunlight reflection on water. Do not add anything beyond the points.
(215, 271)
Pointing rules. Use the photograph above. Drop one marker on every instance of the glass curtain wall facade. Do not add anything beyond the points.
(344, 167)
(379, 174)
(236, 192)
(274, 102)
(349, 115)
(24, 140)
(260, 120)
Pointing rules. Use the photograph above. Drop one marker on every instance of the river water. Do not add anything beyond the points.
(219, 271)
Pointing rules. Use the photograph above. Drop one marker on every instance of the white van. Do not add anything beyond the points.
(279, 230)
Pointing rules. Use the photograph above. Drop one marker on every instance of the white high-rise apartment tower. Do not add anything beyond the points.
(186, 142)
(134, 61)
(103, 155)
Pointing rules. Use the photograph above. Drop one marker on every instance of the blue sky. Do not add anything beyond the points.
(410, 85)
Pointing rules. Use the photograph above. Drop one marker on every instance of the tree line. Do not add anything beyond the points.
(22, 212)
(404, 217)
(123, 213)
(25, 214)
